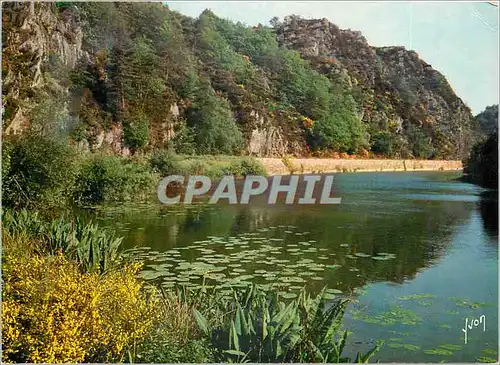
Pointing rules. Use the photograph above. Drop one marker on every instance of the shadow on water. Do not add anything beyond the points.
(376, 216)
(488, 207)
(429, 225)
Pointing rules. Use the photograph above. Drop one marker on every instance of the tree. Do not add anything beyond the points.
(213, 123)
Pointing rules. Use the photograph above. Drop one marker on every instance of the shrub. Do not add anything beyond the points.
(165, 162)
(245, 166)
(176, 338)
(112, 178)
(420, 142)
(183, 141)
(383, 142)
(288, 164)
(38, 171)
(51, 312)
(136, 131)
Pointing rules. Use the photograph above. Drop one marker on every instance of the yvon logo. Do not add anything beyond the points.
(308, 189)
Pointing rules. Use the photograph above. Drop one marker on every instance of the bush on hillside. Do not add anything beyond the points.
(37, 171)
(105, 179)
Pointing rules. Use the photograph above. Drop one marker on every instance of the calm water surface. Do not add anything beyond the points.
(417, 251)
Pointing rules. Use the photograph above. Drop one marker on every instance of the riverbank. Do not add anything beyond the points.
(104, 306)
(282, 166)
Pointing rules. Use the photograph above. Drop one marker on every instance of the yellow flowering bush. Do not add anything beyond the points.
(51, 312)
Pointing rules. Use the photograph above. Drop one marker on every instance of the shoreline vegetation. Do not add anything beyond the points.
(172, 92)
(69, 295)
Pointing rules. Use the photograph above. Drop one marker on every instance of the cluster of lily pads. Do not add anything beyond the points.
(275, 257)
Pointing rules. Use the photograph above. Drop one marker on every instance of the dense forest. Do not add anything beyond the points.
(132, 77)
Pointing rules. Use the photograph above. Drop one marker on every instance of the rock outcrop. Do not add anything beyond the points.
(399, 90)
(32, 34)
(397, 93)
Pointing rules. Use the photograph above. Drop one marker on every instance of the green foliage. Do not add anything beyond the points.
(140, 72)
(136, 131)
(482, 164)
(213, 124)
(93, 248)
(38, 171)
(214, 49)
(340, 129)
(165, 162)
(244, 167)
(420, 142)
(262, 329)
(383, 142)
(104, 179)
(162, 350)
(188, 88)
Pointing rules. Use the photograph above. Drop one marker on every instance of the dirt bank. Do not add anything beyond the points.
(278, 166)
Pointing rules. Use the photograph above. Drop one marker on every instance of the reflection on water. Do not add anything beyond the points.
(488, 206)
(433, 229)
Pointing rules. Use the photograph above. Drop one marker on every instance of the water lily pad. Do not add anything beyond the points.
(438, 352)
(316, 268)
(451, 347)
(381, 258)
(306, 273)
(361, 254)
(417, 296)
(149, 275)
(490, 352)
(486, 359)
(288, 295)
(334, 291)
(411, 347)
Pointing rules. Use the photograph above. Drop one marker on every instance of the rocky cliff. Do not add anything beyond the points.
(32, 34)
(399, 92)
(99, 71)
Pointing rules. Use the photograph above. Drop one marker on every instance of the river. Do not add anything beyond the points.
(417, 252)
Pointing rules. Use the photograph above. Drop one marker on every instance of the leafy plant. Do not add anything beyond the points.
(93, 248)
(38, 172)
(105, 178)
(259, 328)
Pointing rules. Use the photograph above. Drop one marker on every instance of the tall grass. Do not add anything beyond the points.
(93, 248)
(258, 327)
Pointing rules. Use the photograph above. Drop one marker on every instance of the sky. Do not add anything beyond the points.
(459, 39)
